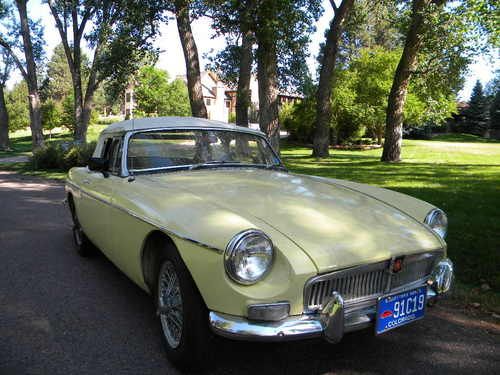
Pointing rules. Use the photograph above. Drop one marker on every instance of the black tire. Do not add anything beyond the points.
(82, 244)
(195, 347)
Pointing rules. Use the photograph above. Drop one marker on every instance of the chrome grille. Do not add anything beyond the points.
(366, 283)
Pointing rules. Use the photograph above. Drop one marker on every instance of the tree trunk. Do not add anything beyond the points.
(243, 98)
(268, 89)
(397, 96)
(4, 123)
(193, 75)
(321, 139)
(31, 81)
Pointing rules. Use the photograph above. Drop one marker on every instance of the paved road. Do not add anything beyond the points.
(15, 159)
(61, 314)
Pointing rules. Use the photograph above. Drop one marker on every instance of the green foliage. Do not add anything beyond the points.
(495, 112)
(154, 95)
(62, 156)
(57, 83)
(68, 112)
(17, 107)
(360, 96)
(477, 116)
(51, 114)
(298, 120)
(288, 23)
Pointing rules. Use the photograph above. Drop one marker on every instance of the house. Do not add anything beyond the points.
(219, 99)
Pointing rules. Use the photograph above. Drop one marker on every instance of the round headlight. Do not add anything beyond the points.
(437, 220)
(249, 256)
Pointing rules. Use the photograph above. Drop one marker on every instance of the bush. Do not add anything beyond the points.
(62, 156)
(108, 120)
(298, 120)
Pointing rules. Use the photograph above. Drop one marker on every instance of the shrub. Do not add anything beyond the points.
(62, 156)
(298, 120)
(108, 120)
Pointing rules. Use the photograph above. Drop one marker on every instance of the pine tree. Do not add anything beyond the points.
(477, 116)
(495, 113)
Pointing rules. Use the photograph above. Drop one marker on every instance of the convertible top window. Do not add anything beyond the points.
(190, 149)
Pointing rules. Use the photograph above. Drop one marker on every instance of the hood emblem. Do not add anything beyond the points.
(397, 265)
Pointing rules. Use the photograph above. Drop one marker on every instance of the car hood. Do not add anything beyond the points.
(335, 226)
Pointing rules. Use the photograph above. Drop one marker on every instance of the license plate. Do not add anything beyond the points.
(400, 309)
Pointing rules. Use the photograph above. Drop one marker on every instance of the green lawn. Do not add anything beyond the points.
(462, 178)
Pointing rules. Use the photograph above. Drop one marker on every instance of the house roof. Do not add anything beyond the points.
(173, 123)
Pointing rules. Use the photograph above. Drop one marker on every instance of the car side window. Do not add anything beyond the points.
(115, 156)
(112, 151)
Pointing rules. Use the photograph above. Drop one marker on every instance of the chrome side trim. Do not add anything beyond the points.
(143, 219)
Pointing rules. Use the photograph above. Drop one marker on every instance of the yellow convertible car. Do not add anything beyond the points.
(204, 216)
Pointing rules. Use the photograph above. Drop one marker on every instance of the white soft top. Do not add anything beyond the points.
(171, 123)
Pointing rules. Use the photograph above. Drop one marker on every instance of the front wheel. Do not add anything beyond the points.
(82, 244)
(183, 316)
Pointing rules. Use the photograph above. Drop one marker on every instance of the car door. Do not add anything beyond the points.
(96, 203)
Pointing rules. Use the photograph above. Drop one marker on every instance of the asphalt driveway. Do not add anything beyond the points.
(61, 314)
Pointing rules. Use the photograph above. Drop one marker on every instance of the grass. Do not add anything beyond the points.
(20, 141)
(21, 146)
(459, 176)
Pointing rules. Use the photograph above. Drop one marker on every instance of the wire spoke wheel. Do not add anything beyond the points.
(170, 304)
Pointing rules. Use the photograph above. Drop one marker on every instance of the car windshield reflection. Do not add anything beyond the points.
(197, 149)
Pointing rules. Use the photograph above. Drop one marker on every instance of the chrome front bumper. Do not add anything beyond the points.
(331, 324)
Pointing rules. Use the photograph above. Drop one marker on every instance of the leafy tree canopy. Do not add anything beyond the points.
(154, 94)
(17, 107)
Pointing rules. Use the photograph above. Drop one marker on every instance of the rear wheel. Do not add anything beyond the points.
(183, 316)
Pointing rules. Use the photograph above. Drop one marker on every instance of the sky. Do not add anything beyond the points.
(172, 58)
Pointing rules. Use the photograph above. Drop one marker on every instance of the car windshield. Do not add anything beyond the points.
(193, 149)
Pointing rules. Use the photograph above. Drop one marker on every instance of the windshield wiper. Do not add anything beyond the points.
(211, 163)
(276, 167)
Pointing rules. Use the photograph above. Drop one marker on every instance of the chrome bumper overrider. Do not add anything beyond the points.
(330, 324)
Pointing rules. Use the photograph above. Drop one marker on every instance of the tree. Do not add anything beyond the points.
(25, 37)
(57, 83)
(51, 115)
(325, 85)
(18, 111)
(120, 39)
(7, 64)
(360, 96)
(477, 115)
(495, 112)
(407, 65)
(285, 25)
(155, 95)
(282, 31)
(193, 75)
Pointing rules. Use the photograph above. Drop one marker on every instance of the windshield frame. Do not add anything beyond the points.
(189, 167)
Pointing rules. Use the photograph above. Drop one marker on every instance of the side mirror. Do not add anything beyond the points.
(98, 164)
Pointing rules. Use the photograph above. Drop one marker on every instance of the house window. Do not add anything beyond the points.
(127, 97)
(228, 104)
(207, 101)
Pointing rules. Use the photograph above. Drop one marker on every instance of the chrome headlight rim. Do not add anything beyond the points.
(233, 247)
(430, 219)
